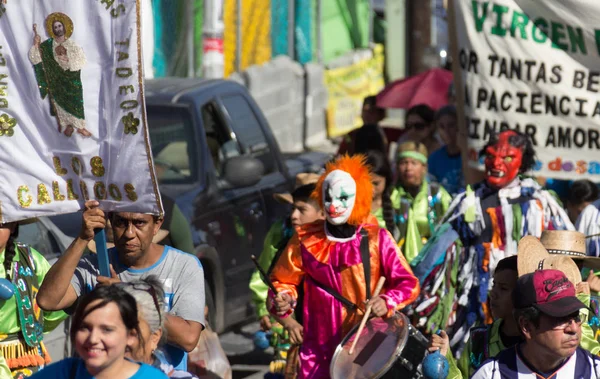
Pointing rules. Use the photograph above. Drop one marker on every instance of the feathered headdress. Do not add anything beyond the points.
(357, 168)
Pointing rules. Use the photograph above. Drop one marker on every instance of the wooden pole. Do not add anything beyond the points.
(471, 175)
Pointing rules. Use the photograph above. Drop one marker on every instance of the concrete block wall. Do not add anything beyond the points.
(316, 104)
(279, 89)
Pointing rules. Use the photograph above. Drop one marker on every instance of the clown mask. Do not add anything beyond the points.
(502, 161)
(339, 195)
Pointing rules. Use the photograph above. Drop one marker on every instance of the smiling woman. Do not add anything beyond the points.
(105, 325)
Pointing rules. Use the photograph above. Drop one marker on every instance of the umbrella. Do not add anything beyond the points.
(429, 87)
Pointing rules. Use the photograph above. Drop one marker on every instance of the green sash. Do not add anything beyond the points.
(31, 319)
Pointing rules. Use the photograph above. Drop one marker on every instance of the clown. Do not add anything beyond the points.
(328, 258)
(482, 226)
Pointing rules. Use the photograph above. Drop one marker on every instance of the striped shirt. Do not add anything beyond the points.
(509, 364)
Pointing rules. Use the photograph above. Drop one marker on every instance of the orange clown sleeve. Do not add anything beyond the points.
(288, 271)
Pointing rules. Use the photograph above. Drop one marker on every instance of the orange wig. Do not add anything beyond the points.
(357, 168)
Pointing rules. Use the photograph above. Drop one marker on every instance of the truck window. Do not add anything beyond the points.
(172, 137)
(218, 139)
(248, 130)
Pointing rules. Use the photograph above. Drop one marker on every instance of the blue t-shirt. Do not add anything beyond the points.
(446, 169)
(74, 368)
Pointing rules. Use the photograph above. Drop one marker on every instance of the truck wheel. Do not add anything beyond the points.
(209, 302)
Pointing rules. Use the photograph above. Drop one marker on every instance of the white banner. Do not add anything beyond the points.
(534, 66)
(72, 115)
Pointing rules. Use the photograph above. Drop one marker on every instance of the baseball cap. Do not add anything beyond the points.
(549, 291)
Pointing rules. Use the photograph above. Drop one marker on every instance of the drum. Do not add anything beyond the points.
(387, 348)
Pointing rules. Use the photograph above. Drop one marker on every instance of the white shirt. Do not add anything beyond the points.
(509, 365)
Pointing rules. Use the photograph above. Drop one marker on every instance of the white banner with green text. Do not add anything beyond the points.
(72, 115)
(534, 66)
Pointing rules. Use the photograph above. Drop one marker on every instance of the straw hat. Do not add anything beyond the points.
(159, 236)
(532, 256)
(569, 243)
(302, 179)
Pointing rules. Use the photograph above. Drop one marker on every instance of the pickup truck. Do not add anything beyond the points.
(216, 156)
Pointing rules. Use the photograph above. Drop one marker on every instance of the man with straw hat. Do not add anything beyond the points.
(548, 314)
(305, 210)
(535, 255)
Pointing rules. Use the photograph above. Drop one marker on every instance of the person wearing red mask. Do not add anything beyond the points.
(485, 222)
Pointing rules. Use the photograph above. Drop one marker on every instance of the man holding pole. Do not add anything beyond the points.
(340, 261)
(134, 257)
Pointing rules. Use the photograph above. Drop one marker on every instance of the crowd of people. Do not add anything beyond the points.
(499, 275)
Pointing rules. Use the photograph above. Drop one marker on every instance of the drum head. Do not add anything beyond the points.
(380, 343)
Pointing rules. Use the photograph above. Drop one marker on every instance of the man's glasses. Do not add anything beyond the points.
(416, 125)
(146, 288)
(564, 322)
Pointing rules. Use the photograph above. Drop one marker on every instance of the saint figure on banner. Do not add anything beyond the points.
(57, 63)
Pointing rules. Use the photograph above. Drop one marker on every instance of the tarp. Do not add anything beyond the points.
(533, 66)
(347, 87)
(72, 119)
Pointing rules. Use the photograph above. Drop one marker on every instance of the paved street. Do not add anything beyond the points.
(246, 361)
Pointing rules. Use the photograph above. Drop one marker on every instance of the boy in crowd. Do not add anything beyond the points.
(488, 340)
(305, 210)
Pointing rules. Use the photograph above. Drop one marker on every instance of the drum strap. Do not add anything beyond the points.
(365, 255)
(366, 259)
(345, 302)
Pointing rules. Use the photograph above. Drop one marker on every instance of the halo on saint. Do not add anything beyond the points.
(63, 19)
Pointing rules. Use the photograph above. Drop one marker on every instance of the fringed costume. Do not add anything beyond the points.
(22, 322)
(481, 227)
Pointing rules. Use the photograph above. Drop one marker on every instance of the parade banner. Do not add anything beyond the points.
(533, 66)
(347, 87)
(72, 115)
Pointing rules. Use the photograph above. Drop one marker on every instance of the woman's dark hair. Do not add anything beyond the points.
(108, 294)
(379, 165)
(582, 191)
(423, 111)
(369, 137)
(520, 141)
(509, 263)
(10, 250)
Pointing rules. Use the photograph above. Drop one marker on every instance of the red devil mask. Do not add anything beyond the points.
(502, 161)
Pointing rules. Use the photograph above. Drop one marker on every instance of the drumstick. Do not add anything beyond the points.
(366, 316)
(266, 279)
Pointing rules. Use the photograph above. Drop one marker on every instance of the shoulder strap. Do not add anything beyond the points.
(345, 302)
(280, 248)
(366, 259)
(365, 255)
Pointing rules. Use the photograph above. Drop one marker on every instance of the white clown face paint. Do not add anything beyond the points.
(339, 196)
